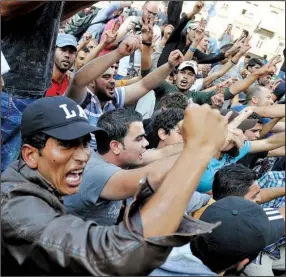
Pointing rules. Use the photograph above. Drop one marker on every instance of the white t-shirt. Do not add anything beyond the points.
(124, 63)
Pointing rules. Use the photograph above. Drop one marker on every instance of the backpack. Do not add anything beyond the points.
(78, 27)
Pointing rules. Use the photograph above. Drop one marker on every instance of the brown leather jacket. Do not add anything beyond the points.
(39, 237)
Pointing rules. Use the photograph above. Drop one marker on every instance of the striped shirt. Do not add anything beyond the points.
(273, 250)
(93, 110)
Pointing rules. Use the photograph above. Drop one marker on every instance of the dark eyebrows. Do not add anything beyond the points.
(140, 136)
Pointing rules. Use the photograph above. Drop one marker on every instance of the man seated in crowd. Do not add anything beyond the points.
(65, 56)
(110, 176)
(55, 151)
(238, 180)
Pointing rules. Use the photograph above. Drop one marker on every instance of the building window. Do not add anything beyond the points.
(260, 42)
(280, 48)
(243, 11)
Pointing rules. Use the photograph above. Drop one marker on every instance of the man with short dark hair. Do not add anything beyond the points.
(65, 55)
(80, 57)
(174, 100)
(165, 127)
(238, 180)
(111, 175)
(54, 154)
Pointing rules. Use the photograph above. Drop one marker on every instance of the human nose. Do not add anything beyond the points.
(82, 154)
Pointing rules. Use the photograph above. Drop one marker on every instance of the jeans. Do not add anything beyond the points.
(11, 115)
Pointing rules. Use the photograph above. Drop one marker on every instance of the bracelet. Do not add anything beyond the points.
(192, 49)
(233, 62)
(146, 43)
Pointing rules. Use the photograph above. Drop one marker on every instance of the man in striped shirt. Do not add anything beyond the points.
(93, 87)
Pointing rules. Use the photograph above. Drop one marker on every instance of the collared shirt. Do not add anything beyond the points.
(58, 89)
(273, 179)
(93, 110)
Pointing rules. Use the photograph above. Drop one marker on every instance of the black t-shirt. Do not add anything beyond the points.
(28, 44)
(250, 159)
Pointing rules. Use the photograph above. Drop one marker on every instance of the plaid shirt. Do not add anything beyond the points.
(93, 110)
(273, 179)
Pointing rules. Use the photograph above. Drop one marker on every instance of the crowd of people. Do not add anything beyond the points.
(134, 143)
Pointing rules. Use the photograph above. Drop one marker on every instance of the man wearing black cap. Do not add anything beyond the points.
(40, 238)
(245, 230)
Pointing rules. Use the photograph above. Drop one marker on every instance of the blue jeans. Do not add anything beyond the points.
(11, 115)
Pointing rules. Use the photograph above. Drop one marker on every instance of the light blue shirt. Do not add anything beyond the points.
(214, 165)
(105, 13)
(181, 262)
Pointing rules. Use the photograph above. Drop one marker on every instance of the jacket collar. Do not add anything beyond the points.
(35, 177)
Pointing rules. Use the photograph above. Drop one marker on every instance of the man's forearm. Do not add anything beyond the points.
(153, 155)
(156, 77)
(268, 127)
(242, 85)
(146, 62)
(95, 68)
(94, 53)
(174, 194)
(189, 55)
(273, 111)
(268, 194)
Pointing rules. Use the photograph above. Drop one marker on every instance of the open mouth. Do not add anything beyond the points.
(184, 83)
(74, 177)
(111, 90)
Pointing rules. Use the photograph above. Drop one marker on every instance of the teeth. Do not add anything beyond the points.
(77, 171)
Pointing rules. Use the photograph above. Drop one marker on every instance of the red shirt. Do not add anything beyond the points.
(58, 89)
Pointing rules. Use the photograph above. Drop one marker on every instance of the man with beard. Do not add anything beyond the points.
(102, 96)
(64, 58)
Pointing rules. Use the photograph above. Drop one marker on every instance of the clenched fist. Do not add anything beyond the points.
(129, 45)
(206, 127)
(175, 58)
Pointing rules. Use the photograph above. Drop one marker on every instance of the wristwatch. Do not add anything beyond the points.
(146, 43)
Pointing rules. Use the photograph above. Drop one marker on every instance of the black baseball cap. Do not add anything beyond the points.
(245, 125)
(59, 117)
(246, 230)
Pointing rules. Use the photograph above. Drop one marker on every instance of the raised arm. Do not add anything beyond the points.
(153, 80)
(98, 66)
(244, 84)
(273, 142)
(277, 110)
(226, 67)
(203, 128)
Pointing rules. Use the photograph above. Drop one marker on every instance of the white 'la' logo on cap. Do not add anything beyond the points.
(71, 114)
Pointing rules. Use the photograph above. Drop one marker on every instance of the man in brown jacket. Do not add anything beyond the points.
(39, 237)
